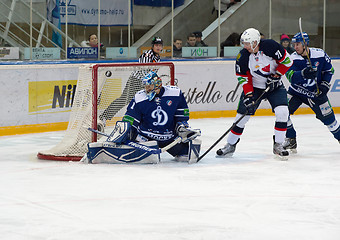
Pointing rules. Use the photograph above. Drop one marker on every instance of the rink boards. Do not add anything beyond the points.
(38, 97)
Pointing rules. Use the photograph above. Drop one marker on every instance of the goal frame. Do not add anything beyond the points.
(95, 69)
(95, 85)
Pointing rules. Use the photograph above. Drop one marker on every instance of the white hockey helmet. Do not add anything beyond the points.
(250, 36)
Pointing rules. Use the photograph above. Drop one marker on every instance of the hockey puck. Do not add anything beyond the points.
(108, 74)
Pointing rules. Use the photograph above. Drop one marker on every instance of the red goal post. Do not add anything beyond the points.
(102, 95)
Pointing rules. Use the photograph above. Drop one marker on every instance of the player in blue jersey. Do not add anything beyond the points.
(310, 85)
(259, 67)
(156, 114)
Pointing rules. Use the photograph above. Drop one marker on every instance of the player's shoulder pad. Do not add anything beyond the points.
(140, 96)
(242, 56)
(317, 53)
(269, 47)
(171, 91)
(296, 56)
(242, 60)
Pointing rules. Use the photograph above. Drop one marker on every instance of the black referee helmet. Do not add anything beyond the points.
(156, 40)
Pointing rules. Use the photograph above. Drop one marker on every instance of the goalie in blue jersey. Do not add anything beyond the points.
(156, 118)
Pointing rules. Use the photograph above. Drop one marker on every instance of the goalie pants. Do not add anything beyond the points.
(177, 150)
(322, 109)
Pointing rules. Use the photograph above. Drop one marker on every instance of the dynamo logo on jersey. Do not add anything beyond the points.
(160, 115)
(309, 83)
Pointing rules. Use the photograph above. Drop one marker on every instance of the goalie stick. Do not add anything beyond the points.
(310, 62)
(234, 124)
(141, 146)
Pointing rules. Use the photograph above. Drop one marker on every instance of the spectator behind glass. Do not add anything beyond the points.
(191, 41)
(285, 42)
(177, 47)
(262, 36)
(93, 42)
(199, 41)
(232, 40)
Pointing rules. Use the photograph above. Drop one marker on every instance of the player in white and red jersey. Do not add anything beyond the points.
(259, 67)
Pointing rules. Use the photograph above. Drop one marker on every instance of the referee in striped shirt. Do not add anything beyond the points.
(152, 55)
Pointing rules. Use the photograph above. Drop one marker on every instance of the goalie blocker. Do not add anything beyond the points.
(119, 149)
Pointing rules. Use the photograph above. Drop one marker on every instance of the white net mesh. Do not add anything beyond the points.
(117, 85)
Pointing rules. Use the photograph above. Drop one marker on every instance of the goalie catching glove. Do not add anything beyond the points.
(186, 133)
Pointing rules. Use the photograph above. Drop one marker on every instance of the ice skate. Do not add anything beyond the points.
(227, 151)
(279, 151)
(290, 144)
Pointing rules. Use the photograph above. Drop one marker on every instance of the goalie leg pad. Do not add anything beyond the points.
(194, 150)
(109, 152)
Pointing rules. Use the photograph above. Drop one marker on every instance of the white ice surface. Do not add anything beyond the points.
(252, 196)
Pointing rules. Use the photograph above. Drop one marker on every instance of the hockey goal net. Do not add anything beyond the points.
(102, 95)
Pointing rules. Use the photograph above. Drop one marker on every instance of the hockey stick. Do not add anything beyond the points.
(143, 147)
(232, 126)
(310, 62)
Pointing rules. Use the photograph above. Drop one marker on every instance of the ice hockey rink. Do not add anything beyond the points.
(251, 196)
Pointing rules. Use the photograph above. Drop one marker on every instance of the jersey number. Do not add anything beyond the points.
(278, 54)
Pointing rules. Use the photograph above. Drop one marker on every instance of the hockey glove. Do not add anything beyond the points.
(186, 133)
(249, 103)
(309, 72)
(324, 88)
(273, 81)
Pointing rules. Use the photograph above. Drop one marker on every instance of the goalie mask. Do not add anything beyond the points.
(151, 83)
